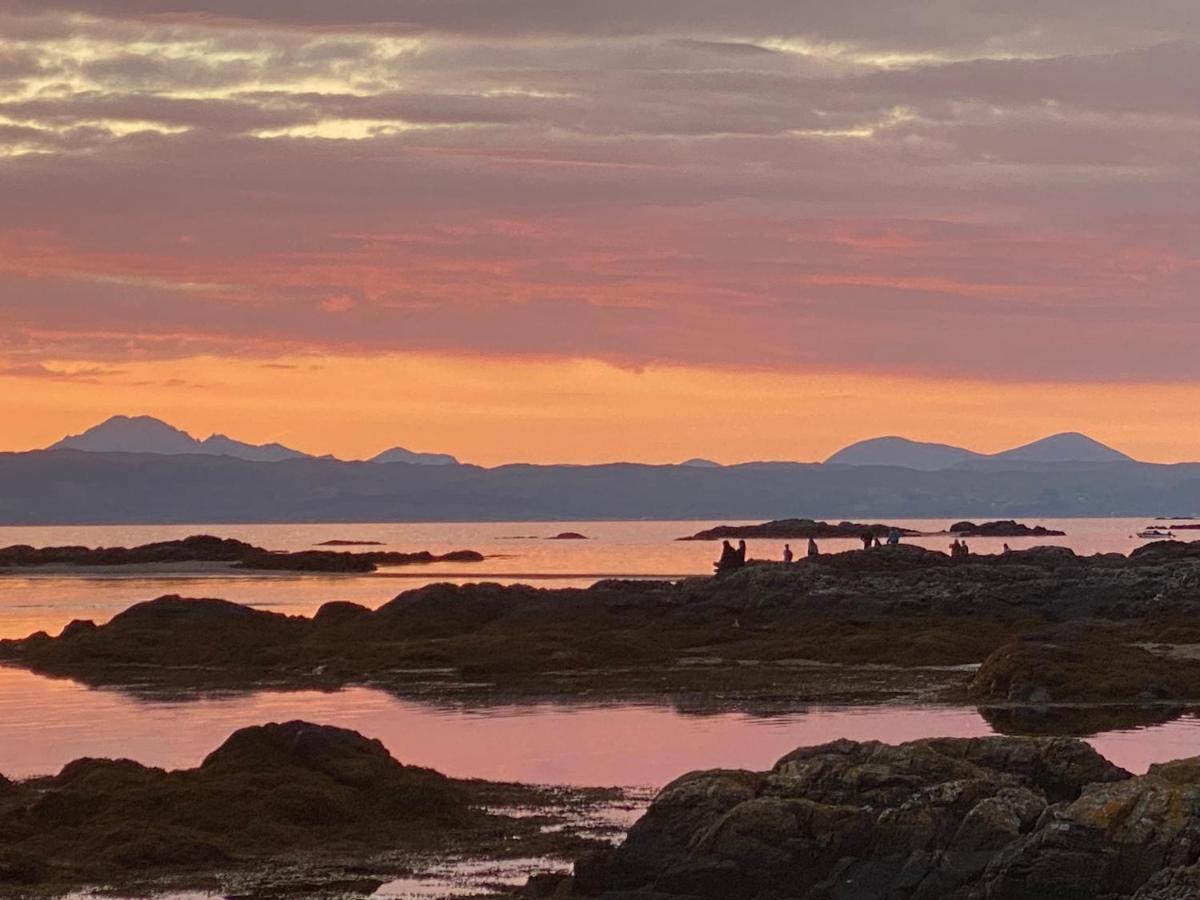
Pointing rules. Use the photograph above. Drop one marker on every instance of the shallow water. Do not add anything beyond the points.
(45, 723)
(516, 551)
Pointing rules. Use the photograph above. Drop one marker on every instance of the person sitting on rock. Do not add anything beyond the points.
(787, 553)
(867, 539)
(813, 550)
(741, 553)
(955, 549)
(729, 559)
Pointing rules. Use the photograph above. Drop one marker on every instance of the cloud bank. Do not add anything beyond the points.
(935, 188)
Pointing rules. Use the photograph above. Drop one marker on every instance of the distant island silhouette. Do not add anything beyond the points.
(143, 470)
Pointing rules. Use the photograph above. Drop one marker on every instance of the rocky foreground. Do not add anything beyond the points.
(271, 805)
(237, 554)
(942, 819)
(297, 809)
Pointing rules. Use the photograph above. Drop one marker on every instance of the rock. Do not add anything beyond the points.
(281, 788)
(782, 529)
(337, 612)
(1005, 528)
(1172, 884)
(927, 819)
(569, 536)
(1082, 665)
(76, 627)
(208, 549)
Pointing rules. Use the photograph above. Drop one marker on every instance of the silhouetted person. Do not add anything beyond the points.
(893, 537)
(741, 553)
(878, 543)
(813, 550)
(966, 551)
(1007, 549)
(787, 553)
(955, 549)
(867, 539)
(729, 559)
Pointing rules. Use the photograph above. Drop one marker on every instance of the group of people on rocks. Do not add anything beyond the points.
(734, 558)
(960, 550)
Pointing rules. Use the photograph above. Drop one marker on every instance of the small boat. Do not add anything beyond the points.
(1161, 534)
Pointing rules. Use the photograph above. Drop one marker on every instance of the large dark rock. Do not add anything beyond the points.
(929, 819)
(292, 787)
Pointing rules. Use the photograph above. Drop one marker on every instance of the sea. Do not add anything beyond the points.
(46, 722)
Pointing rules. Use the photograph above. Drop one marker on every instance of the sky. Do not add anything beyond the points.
(577, 232)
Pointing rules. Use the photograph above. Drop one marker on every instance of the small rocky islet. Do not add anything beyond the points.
(236, 554)
(801, 529)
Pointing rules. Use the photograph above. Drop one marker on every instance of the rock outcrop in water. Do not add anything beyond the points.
(279, 792)
(939, 819)
(1001, 529)
(795, 529)
(208, 549)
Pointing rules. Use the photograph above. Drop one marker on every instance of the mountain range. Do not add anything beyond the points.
(146, 434)
(144, 471)
(1070, 447)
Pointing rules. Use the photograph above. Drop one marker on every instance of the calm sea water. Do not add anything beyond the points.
(47, 722)
(517, 552)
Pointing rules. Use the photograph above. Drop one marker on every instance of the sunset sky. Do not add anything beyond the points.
(583, 231)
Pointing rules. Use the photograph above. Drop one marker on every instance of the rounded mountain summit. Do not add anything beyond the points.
(1069, 447)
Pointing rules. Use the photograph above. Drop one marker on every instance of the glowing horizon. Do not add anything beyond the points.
(492, 412)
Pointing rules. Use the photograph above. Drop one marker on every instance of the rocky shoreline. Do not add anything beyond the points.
(1041, 641)
(1043, 626)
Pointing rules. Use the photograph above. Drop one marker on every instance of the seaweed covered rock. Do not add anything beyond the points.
(268, 789)
(1082, 665)
(925, 819)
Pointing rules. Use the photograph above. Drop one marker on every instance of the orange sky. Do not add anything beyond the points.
(492, 411)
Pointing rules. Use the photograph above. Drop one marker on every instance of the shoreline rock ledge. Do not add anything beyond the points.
(942, 819)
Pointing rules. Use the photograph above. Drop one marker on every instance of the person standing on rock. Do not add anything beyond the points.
(741, 553)
(867, 539)
(893, 537)
(813, 551)
(787, 553)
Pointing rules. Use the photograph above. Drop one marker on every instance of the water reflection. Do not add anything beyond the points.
(45, 723)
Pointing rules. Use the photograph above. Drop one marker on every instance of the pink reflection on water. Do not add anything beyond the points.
(45, 723)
